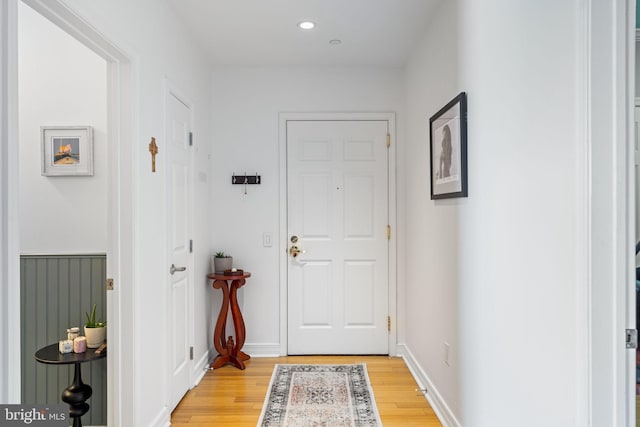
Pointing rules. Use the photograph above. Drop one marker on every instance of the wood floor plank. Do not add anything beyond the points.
(231, 397)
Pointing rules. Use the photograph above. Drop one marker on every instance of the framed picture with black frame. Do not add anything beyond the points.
(448, 144)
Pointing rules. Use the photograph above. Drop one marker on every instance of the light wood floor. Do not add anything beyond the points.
(231, 397)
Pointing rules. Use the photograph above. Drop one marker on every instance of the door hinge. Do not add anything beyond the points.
(388, 232)
(388, 323)
(191, 246)
(109, 284)
(191, 353)
(631, 338)
(190, 138)
(388, 140)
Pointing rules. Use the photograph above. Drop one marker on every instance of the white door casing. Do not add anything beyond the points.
(606, 374)
(9, 217)
(338, 209)
(179, 268)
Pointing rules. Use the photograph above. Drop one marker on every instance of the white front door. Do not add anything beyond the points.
(178, 162)
(338, 214)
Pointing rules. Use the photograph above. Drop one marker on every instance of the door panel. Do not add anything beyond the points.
(337, 183)
(359, 205)
(316, 295)
(179, 221)
(316, 201)
(359, 289)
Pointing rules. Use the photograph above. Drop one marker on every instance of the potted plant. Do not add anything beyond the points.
(222, 262)
(94, 330)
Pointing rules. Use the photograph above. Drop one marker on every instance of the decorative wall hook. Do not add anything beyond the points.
(245, 179)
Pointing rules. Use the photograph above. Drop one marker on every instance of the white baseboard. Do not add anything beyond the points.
(440, 407)
(253, 350)
(200, 369)
(262, 350)
(163, 419)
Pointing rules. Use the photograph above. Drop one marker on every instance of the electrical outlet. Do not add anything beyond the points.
(447, 349)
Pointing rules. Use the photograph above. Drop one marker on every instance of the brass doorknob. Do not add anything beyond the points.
(294, 251)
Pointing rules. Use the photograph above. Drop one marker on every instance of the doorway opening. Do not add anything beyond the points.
(119, 78)
(63, 202)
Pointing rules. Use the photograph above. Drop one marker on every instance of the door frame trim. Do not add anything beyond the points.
(9, 208)
(604, 289)
(390, 117)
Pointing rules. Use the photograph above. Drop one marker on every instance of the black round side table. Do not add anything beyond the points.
(77, 393)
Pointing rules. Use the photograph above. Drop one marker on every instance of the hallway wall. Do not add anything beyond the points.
(509, 302)
(160, 51)
(60, 215)
(432, 231)
(247, 102)
(521, 247)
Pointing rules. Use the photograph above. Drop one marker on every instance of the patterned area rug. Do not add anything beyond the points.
(320, 396)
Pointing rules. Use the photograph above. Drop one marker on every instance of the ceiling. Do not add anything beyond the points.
(265, 32)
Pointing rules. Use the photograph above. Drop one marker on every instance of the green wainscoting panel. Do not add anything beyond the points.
(56, 291)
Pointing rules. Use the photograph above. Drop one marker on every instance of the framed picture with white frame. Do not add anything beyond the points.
(67, 150)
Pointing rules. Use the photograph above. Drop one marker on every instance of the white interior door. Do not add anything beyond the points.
(179, 222)
(338, 213)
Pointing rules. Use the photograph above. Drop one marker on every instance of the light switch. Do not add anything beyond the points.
(266, 240)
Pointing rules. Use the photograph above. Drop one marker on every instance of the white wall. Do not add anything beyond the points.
(157, 44)
(432, 237)
(247, 102)
(506, 299)
(62, 83)
(517, 310)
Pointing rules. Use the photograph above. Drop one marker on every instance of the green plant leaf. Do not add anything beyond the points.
(91, 319)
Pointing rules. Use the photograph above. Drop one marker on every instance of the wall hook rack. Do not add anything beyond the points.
(246, 179)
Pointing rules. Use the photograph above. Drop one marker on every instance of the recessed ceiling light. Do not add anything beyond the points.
(335, 41)
(306, 25)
